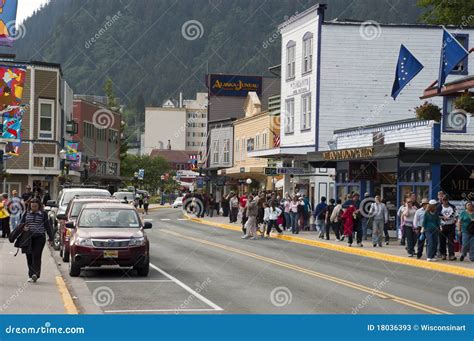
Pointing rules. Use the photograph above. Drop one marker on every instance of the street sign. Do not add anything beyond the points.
(200, 182)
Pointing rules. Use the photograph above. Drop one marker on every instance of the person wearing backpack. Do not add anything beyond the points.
(320, 215)
(36, 224)
(466, 229)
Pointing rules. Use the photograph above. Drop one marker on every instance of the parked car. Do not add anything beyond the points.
(59, 207)
(109, 234)
(178, 202)
(72, 211)
(122, 196)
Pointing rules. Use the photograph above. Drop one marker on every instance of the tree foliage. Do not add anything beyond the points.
(154, 168)
(452, 12)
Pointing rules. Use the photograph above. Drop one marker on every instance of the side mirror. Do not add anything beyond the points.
(147, 225)
(61, 217)
(70, 225)
(51, 203)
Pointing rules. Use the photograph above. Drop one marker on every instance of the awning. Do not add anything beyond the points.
(279, 184)
(457, 86)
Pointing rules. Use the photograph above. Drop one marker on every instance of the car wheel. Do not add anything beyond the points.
(57, 240)
(74, 270)
(65, 256)
(143, 271)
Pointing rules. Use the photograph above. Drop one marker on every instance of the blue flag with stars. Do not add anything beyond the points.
(452, 53)
(407, 68)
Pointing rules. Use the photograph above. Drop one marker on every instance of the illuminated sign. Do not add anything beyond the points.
(349, 154)
(233, 85)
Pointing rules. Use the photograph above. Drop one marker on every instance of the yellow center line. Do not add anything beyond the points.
(356, 286)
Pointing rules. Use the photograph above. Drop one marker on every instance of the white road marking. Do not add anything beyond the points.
(183, 219)
(187, 288)
(129, 280)
(165, 219)
(177, 310)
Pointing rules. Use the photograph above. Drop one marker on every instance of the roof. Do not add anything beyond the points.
(456, 86)
(377, 125)
(109, 205)
(173, 156)
(298, 16)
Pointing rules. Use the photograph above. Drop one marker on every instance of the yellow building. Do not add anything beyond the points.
(256, 131)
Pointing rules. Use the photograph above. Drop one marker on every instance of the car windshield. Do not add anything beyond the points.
(108, 217)
(68, 196)
(123, 195)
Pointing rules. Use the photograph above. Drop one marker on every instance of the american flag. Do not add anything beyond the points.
(276, 140)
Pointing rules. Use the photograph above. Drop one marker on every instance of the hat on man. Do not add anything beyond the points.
(424, 201)
(432, 202)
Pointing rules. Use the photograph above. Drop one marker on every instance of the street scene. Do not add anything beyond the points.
(233, 158)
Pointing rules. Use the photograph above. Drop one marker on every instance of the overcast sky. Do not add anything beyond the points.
(27, 7)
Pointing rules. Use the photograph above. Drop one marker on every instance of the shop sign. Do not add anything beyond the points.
(349, 154)
(234, 85)
(300, 86)
(458, 182)
(281, 171)
(362, 171)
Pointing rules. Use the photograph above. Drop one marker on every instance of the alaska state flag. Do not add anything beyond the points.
(452, 53)
(7, 21)
(407, 68)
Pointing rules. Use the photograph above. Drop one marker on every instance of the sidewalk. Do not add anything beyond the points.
(18, 296)
(394, 252)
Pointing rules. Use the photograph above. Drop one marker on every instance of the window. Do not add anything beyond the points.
(265, 140)
(215, 151)
(306, 112)
(454, 121)
(307, 52)
(49, 162)
(237, 145)
(290, 59)
(113, 136)
(88, 130)
(46, 123)
(461, 68)
(43, 162)
(257, 142)
(101, 134)
(113, 168)
(242, 149)
(38, 161)
(290, 116)
(226, 151)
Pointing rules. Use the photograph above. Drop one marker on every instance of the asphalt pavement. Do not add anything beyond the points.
(203, 269)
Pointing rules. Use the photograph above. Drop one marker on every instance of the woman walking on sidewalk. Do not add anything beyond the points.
(271, 215)
(251, 224)
(379, 217)
(466, 228)
(4, 216)
(36, 223)
(146, 203)
(431, 223)
(408, 215)
(448, 229)
(348, 218)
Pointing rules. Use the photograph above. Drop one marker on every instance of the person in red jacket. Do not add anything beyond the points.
(348, 218)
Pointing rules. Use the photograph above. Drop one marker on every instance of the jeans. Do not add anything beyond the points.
(358, 230)
(15, 220)
(34, 258)
(365, 226)
(320, 226)
(294, 222)
(287, 220)
(446, 238)
(338, 229)
(385, 232)
(377, 230)
(431, 242)
(468, 245)
(5, 222)
(234, 211)
(411, 241)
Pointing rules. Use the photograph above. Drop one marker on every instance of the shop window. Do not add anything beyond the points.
(307, 52)
(226, 151)
(461, 68)
(290, 60)
(306, 112)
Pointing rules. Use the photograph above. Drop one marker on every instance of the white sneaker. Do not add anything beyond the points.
(245, 237)
(253, 238)
(431, 259)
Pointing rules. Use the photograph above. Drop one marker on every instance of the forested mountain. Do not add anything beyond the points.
(141, 44)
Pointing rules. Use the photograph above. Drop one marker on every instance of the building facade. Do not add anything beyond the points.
(49, 100)
(98, 135)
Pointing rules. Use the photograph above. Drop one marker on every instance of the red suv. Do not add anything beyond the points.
(72, 211)
(109, 234)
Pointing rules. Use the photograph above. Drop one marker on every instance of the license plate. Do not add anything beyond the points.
(110, 254)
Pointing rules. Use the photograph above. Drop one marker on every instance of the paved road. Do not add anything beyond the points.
(202, 269)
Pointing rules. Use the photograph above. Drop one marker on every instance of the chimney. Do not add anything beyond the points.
(180, 99)
(169, 145)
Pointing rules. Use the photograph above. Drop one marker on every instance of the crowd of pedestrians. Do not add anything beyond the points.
(434, 225)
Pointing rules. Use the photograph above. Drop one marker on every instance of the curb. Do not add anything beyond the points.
(66, 296)
(452, 269)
